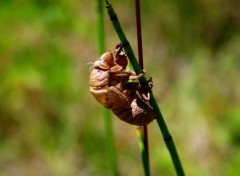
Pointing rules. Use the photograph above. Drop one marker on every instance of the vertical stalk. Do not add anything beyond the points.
(106, 113)
(100, 27)
(110, 142)
(160, 120)
(143, 150)
(144, 129)
(139, 33)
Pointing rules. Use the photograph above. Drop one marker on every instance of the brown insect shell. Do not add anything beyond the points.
(101, 86)
(107, 85)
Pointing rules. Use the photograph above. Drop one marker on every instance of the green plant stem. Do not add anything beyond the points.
(143, 150)
(162, 125)
(110, 142)
(106, 113)
(100, 27)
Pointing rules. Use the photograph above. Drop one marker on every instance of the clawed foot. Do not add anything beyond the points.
(135, 77)
(150, 82)
(145, 98)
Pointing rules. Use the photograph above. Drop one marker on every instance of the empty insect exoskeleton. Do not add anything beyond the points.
(111, 86)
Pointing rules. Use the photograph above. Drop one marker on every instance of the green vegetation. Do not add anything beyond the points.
(51, 125)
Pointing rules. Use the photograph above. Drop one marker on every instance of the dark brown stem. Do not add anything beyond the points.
(140, 59)
(139, 33)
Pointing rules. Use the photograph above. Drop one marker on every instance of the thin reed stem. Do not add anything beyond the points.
(109, 141)
(144, 129)
(143, 150)
(160, 120)
(139, 33)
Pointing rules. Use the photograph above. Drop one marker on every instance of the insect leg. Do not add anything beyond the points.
(135, 86)
(135, 77)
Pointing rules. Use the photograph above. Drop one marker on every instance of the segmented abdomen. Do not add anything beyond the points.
(139, 113)
(131, 110)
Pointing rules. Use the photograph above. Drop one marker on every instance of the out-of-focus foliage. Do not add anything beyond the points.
(49, 122)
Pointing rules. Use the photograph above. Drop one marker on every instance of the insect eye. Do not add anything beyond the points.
(122, 61)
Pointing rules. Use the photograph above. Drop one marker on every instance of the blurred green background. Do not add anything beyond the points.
(51, 125)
